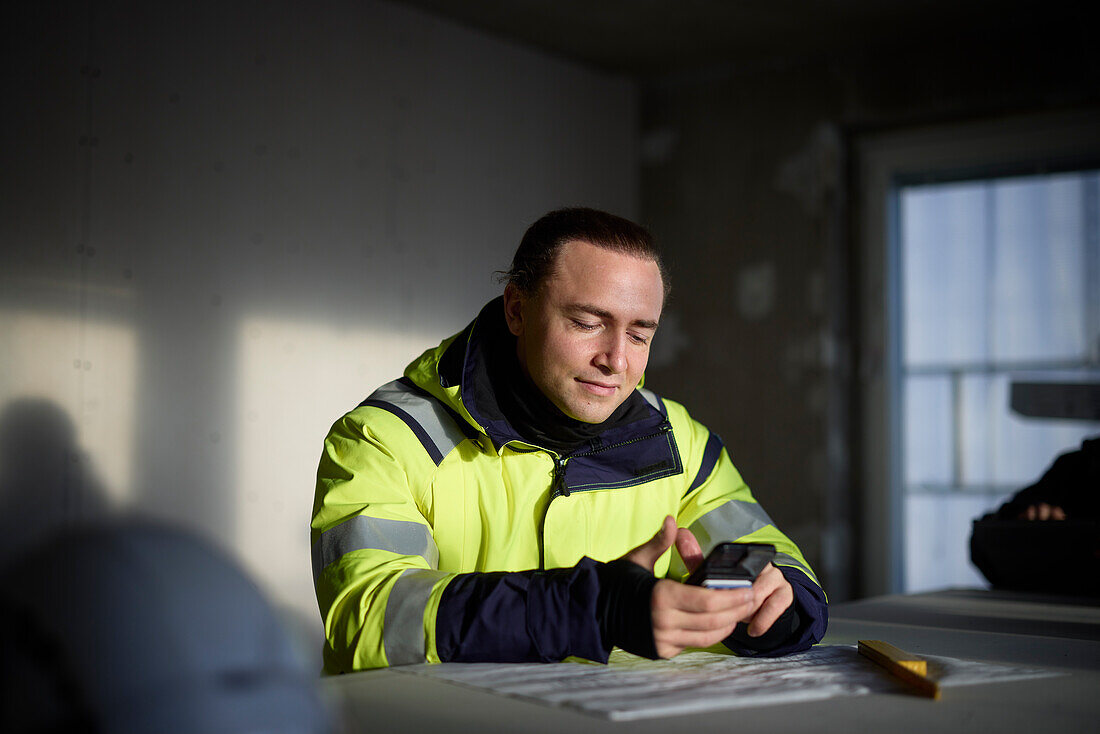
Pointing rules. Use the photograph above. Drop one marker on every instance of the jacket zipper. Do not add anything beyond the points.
(558, 486)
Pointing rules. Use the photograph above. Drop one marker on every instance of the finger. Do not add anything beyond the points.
(766, 584)
(646, 554)
(774, 594)
(699, 600)
(1057, 513)
(1044, 511)
(689, 549)
(767, 581)
(673, 643)
(675, 619)
(1031, 512)
(771, 610)
(667, 652)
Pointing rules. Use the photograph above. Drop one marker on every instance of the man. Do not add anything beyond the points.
(499, 502)
(1024, 544)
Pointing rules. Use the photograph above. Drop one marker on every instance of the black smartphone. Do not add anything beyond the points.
(732, 565)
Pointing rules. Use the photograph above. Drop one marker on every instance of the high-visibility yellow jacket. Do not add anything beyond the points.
(423, 483)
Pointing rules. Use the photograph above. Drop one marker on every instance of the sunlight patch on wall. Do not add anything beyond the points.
(87, 370)
(295, 380)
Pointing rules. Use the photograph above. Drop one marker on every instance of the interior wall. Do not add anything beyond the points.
(222, 225)
(745, 177)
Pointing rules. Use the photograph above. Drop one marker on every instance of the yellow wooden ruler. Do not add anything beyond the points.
(911, 669)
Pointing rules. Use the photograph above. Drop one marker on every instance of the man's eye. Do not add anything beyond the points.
(639, 339)
(585, 326)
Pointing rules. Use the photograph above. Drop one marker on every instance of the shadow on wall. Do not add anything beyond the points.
(46, 483)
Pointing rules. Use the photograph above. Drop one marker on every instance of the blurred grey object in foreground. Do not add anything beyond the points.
(132, 626)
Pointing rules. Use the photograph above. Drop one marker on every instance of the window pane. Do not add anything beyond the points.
(937, 539)
(979, 413)
(1022, 448)
(944, 272)
(1004, 449)
(929, 435)
(1039, 268)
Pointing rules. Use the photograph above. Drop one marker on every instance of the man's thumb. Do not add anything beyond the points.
(646, 554)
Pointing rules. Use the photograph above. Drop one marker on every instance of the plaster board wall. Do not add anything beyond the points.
(222, 225)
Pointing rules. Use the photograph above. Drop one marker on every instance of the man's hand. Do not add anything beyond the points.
(772, 594)
(692, 616)
(1043, 511)
(771, 591)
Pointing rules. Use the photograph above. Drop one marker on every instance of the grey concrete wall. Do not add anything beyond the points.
(223, 224)
(744, 179)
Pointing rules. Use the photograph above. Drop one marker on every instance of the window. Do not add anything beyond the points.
(998, 280)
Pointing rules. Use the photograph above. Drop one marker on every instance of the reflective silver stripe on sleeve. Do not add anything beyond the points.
(727, 523)
(403, 633)
(783, 559)
(436, 423)
(374, 533)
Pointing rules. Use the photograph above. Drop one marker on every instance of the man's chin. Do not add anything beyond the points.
(590, 413)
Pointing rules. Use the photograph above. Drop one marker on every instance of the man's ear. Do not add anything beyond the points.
(513, 309)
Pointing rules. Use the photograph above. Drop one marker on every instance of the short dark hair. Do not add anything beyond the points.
(538, 250)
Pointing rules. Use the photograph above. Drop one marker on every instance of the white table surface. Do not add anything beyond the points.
(1055, 633)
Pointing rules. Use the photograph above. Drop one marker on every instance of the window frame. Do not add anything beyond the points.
(883, 161)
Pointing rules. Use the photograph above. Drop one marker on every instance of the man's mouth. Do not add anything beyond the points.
(596, 387)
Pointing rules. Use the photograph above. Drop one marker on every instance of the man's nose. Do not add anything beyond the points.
(612, 357)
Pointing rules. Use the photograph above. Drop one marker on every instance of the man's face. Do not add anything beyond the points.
(584, 337)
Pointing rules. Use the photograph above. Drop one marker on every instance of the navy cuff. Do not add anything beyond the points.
(624, 607)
